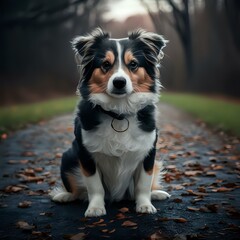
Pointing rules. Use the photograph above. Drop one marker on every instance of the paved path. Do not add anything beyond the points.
(203, 177)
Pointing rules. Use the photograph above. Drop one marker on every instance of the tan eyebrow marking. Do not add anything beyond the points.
(109, 57)
(128, 57)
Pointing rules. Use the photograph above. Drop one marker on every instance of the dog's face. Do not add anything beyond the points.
(118, 68)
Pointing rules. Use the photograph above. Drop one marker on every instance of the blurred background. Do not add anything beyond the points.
(37, 62)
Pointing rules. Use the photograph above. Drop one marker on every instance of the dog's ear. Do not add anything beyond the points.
(153, 41)
(82, 44)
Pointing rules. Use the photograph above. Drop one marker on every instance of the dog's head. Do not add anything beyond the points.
(119, 70)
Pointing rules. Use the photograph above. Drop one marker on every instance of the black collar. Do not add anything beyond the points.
(112, 114)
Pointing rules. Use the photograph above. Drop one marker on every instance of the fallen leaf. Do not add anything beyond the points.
(192, 193)
(165, 219)
(78, 236)
(24, 225)
(24, 204)
(177, 200)
(211, 174)
(180, 220)
(38, 169)
(193, 209)
(222, 189)
(212, 207)
(99, 222)
(156, 236)
(129, 224)
(48, 214)
(28, 154)
(58, 155)
(192, 173)
(123, 210)
(4, 136)
(120, 216)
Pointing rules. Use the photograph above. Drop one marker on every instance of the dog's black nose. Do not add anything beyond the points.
(119, 82)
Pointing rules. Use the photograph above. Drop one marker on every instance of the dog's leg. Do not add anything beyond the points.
(144, 183)
(95, 195)
(143, 192)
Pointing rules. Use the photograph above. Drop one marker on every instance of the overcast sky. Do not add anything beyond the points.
(121, 9)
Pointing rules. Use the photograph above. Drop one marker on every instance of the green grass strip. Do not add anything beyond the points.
(15, 117)
(216, 112)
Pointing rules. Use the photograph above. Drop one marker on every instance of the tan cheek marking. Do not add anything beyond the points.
(99, 80)
(141, 80)
(73, 184)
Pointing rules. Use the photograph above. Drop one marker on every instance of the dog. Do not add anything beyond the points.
(113, 153)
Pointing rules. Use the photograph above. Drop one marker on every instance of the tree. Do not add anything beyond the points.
(180, 21)
(233, 16)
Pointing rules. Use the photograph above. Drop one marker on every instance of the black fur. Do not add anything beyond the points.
(148, 162)
(146, 118)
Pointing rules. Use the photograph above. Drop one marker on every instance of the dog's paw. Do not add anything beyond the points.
(147, 208)
(95, 212)
(159, 195)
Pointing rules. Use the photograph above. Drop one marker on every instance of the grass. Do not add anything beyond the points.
(16, 117)
(218, 113)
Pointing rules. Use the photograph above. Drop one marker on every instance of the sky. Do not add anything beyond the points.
(121, 9)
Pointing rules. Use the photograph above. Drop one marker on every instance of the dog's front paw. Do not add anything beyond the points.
(95, 212)
(146, 208)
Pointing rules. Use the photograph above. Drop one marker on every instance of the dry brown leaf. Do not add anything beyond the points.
(123, 210)
(211, 174)
(156, 236)
(177, 200)
(171, 167)
(129, 224)
(112, 231)
(13, 189)
(120, 216)
(193, 209)
(99, 222)
(28, 154)
(222, 189)
(165, 219)
(78, 236)
(24, 225)
(12, 162)
(180, 220)
(38, 169)
(24, 204)
(58, 155)
(172, 156)
(192, 173)
(199, 194)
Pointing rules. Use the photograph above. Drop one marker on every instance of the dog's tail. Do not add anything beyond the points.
(60, 194)
(158, 174)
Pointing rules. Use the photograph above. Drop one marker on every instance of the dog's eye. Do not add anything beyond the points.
(133, 65)
(106, 66)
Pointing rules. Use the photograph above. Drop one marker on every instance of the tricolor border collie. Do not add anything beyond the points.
(113, 153)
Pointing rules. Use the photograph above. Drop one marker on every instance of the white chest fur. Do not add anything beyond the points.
(118, 154)
(106, 140)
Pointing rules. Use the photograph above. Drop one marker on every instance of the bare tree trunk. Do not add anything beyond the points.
(233, 16)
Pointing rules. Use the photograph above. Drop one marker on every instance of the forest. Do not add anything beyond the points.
(37, 62)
